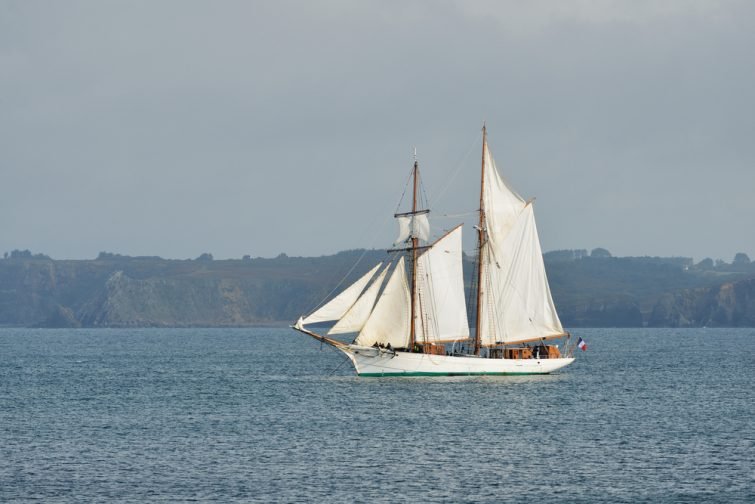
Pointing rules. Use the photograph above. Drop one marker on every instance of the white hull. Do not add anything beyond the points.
(371, 361)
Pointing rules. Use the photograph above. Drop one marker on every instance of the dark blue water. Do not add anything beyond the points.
(264, 415)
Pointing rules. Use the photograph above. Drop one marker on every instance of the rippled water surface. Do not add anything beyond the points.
(266, 415)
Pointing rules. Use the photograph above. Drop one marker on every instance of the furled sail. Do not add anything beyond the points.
(516, 300)
(339, 305)
(442, 314)
(417, 226)
(389, 321)
(355, 318)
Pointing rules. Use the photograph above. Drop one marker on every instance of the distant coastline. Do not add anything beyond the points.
(591, 289)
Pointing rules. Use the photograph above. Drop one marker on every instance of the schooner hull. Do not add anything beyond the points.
(375, 362)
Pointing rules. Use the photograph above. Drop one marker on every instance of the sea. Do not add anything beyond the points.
(268, 415)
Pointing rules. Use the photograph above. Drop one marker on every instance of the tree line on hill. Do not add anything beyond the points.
(591, 289)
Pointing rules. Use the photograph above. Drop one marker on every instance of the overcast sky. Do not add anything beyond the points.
(174, 128)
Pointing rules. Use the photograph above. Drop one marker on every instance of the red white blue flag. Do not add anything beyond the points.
(581, 344)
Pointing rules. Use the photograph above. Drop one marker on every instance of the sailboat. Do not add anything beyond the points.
(409, 316)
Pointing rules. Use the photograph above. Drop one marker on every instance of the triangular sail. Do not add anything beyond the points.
(516, 303)
(389, 320)
(339, 305)
(355, 318)
(440, 292)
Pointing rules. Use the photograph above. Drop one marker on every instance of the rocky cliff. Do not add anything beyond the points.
(147, 292)
(731, 304)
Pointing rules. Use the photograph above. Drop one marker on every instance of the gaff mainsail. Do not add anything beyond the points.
(440, 292)
(515, 299)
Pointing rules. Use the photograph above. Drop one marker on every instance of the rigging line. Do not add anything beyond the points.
(494, 317)
(424, 199)
(344, 361)
(382, 226)
(370, 247)
(472, 289)
(401, 199)
(386, 220)
(431, 312)
(455, 216)
(449, 180)
(327, 296)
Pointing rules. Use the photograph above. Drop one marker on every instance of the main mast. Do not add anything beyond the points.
(480, 243)
(415, 241)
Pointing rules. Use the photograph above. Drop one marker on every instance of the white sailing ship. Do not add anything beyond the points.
(410, 315)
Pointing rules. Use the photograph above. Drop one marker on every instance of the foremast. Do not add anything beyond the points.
(414, 249)
(412, 235)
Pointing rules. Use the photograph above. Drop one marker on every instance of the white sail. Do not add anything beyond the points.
(502, 204)
(355, 318)
(516, 300)
(442, 310)
(403, 230)
(417, 226)
(389, 321)
(339, 305)
(421, 227)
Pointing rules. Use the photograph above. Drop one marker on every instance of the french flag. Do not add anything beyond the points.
(581, 344)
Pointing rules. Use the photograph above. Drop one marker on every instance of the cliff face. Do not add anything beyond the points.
(183, 301)
(610, 312)
(731, 304)
(132, 292)
(39, 292)
(126, 301)
(152, 292)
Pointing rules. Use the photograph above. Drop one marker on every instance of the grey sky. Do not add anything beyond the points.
(174, 128)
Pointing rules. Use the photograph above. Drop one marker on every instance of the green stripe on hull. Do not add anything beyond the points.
(423, 373)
